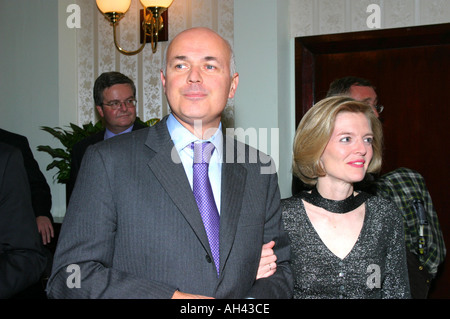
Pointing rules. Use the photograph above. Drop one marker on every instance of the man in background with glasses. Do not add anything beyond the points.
(115, 101)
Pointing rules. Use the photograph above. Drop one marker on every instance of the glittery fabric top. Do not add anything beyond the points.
(374, 268)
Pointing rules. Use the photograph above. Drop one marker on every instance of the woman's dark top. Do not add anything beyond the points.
(374, 268)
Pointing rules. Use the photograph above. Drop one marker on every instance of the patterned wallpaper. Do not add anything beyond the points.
(313, 17)
(97, 54)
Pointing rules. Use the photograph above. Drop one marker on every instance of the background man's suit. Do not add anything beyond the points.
(130, 195)
(40, 191)
(78, 152)
(22, 260)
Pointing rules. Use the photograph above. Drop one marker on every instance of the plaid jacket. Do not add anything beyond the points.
(403, 186)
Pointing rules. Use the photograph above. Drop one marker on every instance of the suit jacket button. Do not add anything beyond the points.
(208, 259)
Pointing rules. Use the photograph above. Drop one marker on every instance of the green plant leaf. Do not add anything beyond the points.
(68, 138)
(152, 121)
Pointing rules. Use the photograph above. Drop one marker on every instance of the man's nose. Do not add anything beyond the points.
(195, 76)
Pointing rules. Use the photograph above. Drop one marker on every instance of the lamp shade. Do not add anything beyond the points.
(156, 3)
(119, 6)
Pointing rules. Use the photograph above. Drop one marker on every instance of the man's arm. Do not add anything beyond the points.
(41, 197)
(40, 191)
(281, 283)
(21, 259)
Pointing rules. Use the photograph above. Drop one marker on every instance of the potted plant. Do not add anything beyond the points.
(68, 138)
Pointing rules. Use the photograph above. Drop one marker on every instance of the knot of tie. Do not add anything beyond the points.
(202, 152)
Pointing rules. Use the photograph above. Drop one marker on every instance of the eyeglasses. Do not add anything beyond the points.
(115, 105)
(379, 108)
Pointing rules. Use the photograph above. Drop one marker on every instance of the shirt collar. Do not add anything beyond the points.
(182, 137)
(109, 134)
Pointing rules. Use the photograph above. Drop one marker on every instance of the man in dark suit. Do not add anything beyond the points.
(133, 228)
(115, 101)
(22, 260)
(40, 191)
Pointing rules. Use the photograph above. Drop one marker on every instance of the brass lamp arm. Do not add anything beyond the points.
(152, 20)
(151, 25)
(121, 50)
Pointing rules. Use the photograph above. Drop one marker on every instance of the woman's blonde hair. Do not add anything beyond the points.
(315, 130)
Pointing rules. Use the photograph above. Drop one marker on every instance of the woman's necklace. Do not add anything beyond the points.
(335, 206)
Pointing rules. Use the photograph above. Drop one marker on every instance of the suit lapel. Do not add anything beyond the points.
(171, 175)
(232, 190)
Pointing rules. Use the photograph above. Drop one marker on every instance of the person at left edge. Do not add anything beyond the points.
(22, 258)
(133, 225)
(41, 197)
(115, 102)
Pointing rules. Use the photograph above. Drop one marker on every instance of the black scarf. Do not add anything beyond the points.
(335, 206)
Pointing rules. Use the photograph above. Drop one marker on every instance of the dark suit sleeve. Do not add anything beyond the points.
(22, 261)
(78, 151)
(80, 148)
(77, 155)
(41, 197)
(281, 284)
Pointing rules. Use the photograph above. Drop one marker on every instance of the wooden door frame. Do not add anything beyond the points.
(306, 48)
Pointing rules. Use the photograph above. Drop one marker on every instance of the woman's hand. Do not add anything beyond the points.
(267, 264)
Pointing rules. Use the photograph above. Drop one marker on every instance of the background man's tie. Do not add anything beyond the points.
(204, 196)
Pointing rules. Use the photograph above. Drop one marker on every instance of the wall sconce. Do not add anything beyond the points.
(152, 21)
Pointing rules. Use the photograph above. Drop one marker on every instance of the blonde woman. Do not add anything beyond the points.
(345, 244)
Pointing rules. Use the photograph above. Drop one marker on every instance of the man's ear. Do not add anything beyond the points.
(163, 80)
(234, 85)
(100, 111)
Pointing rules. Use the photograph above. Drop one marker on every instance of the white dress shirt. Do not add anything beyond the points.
(182, 138)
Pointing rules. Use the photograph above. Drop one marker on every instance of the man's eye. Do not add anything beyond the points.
(210, 67)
